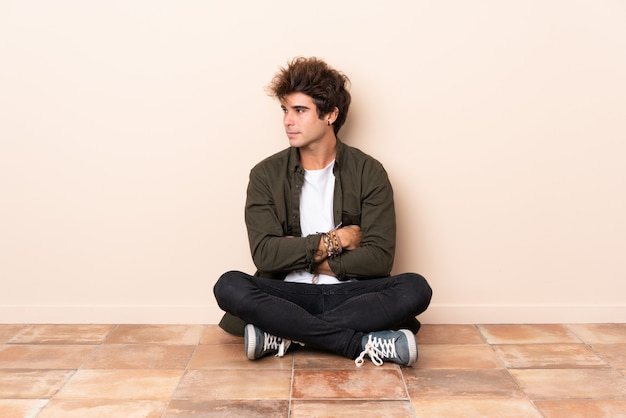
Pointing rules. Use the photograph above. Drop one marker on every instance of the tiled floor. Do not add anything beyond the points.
(173, 371)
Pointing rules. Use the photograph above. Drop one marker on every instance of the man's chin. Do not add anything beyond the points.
(295, 143)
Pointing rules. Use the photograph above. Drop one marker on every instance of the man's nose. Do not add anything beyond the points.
(287, 119)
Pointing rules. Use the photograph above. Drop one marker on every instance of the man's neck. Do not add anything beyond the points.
(319, 155)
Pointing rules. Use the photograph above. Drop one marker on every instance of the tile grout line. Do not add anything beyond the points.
(406, 390)
(293, 373)
(184, 373)
(8, 341)
(48, 399)
(589, 345)
(502, 362)
(74, 371)
(517, 383)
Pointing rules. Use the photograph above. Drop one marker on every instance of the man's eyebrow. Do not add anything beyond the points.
(296, 107)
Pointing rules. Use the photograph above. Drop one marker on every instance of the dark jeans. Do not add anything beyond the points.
(332, 317)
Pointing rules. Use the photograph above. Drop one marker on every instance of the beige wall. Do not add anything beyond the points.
(127, 130)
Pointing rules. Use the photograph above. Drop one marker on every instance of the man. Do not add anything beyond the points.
(321, 226)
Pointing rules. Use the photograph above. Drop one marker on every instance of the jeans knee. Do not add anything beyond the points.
(420, 289)
(426, 290)
(227, 288)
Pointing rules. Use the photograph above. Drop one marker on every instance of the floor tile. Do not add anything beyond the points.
(121, 384)
(351, 408)
(21, 408)
(203, 385)
(615, 354)
(314, 359)
(157, 334)
(233, 357)
(572, 383)
(449, 334)
(62, 334)
(228, 409)
(8, 331)
(469, 408)
(544, 356)
(348, 384)
(457, 356)
(466, 384)
(527, 334)
(44, 356)
(140, 356)
(213, 334)
(175, 371)
(582, 409)
(103, 409)
(31, 384)
(600, 333)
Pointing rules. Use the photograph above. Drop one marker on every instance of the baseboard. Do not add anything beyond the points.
(211, 314)
(524, 314)
(205, 314)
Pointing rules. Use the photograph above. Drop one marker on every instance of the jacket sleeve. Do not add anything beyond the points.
(374, 259)
(273, 252)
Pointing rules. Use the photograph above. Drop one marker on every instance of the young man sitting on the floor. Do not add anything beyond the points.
(321, 225)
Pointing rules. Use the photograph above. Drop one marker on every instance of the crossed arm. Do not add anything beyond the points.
(350, 239)
(368, 237)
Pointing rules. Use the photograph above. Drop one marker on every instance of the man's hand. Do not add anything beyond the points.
(324, 268)
(350, 237)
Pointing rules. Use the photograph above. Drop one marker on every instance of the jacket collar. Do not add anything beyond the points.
(294, 157)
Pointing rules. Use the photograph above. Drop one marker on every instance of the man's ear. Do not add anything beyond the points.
(332, 116)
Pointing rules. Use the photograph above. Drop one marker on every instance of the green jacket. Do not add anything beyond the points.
(363, 196)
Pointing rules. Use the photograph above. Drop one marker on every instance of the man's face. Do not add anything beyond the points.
(302, 124)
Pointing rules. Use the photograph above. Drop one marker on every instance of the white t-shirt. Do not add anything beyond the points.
(316, 215)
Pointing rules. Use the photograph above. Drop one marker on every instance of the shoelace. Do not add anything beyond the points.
(377, 349)
(272, 342)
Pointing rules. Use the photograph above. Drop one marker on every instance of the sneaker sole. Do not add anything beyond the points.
(250, 335)
(412, 346)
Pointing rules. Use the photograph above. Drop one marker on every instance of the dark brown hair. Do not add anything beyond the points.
(313, 77)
